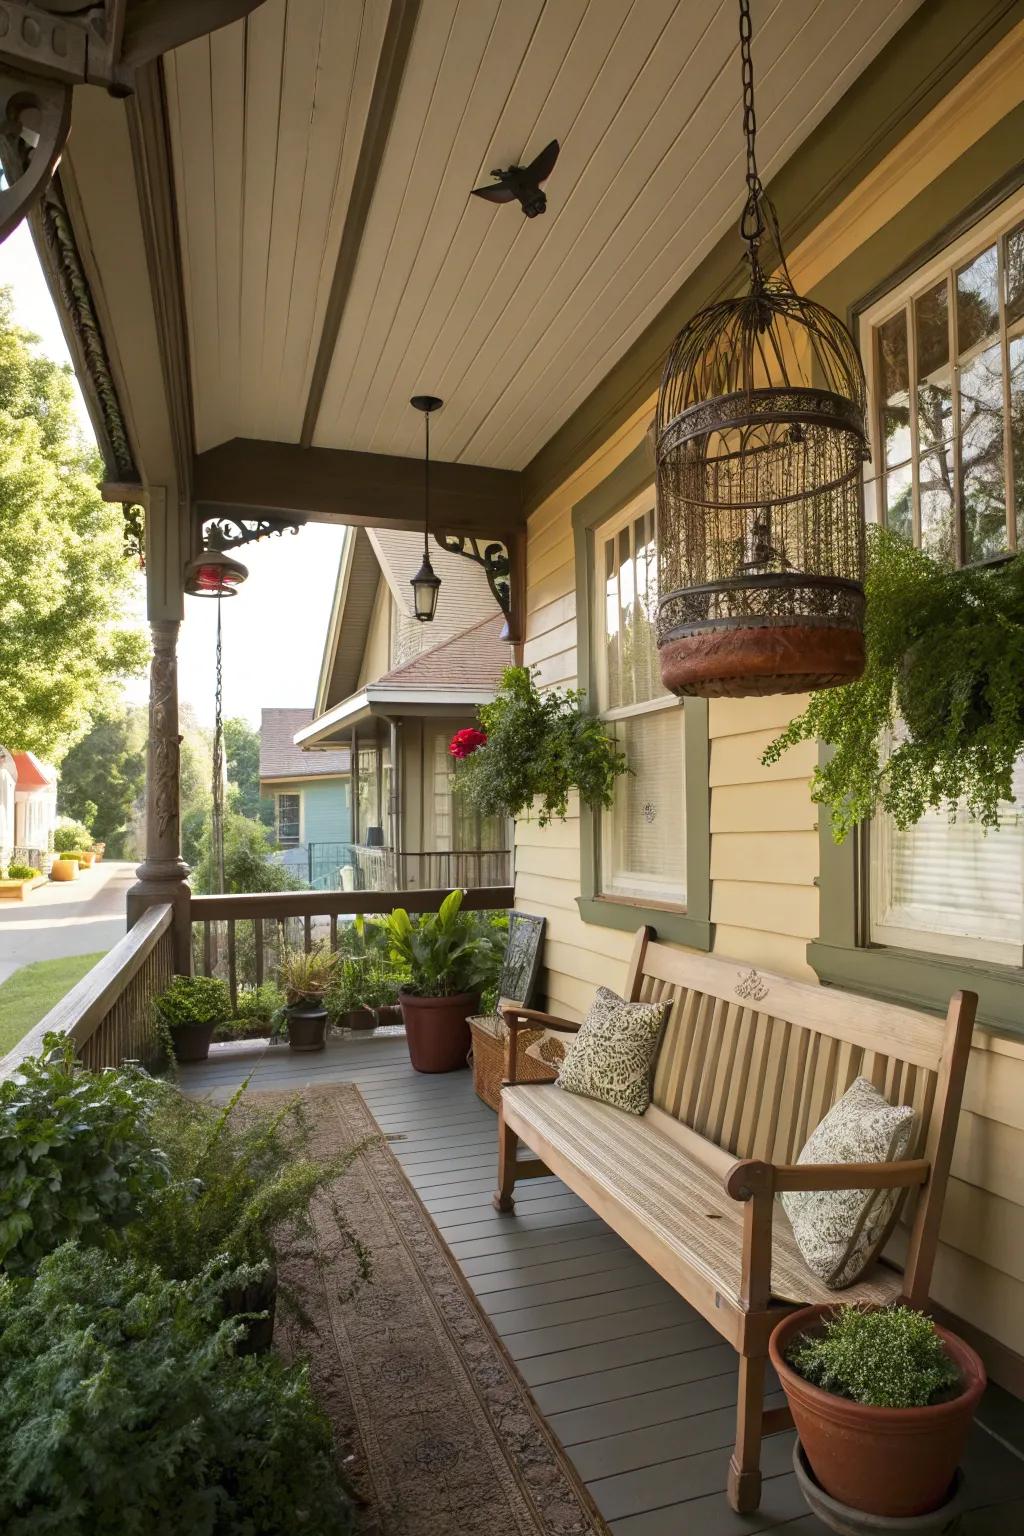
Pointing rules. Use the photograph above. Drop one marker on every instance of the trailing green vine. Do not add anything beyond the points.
(532, 746)
(943, 684)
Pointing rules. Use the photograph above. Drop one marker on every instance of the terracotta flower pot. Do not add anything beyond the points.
(307, 1026)
(191, 1041)
(437, 1029)
(64, 869)
(894, 1462)
(388, 1015)
(357, 1018)
(87, 858)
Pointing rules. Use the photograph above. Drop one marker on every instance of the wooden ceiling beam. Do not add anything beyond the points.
(248, 477)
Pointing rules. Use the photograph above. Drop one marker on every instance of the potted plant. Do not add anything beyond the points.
(64, 869)
(448, 961)
(882, 1400)
(535, 746)
(191, 1008)
(347, 1006)
(306, 980)
(938, 716)
(381, 984)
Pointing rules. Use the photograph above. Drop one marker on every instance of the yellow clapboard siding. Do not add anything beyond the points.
(596, 967)
(995, 1083)
(558, 558)
(539, 621)
(791, 857)
(560, 640)
(782, 909)
(547, 859)
(737, 760)
(772, 951)
(541, 541)
(990, 1155)
(784, 807)
(737, 717)
(980, 1293)
(985, 1226)
(557, 671)
(557, 834)
(556, 585)
(547, 892)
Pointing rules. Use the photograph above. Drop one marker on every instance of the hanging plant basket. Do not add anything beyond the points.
(760, 441)
(532, 747)
(938, 718)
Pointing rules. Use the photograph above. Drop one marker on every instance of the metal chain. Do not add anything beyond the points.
(752, 221)
(217, 787)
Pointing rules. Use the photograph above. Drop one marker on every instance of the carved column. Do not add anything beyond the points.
(163, 875)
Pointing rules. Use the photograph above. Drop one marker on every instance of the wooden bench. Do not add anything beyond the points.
(748, 1065)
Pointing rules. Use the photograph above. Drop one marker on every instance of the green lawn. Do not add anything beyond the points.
(31, 992)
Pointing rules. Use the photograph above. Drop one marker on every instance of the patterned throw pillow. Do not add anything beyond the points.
(612, 1055)
(840, 1231)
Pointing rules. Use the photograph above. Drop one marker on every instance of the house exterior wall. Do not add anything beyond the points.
(765, 857)
(377, 651)
(35, 816)
(7, 783)
(325, 814)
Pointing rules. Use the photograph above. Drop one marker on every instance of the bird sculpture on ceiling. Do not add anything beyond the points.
(522, 183)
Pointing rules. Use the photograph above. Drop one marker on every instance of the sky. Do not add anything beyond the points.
(274, 629)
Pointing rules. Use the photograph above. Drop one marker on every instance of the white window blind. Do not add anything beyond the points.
(643, 836)
(950, 886)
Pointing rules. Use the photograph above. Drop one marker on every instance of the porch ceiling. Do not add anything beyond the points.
(333, 262)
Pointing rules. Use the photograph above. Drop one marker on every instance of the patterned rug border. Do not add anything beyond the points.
(397, 1192)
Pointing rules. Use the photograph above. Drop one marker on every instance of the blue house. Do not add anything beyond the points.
(311, 791)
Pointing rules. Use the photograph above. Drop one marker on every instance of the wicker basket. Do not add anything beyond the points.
(489, 1058)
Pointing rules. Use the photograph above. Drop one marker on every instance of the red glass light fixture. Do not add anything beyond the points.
(214, 574)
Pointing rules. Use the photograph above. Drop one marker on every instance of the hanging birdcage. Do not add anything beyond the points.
(760, 440)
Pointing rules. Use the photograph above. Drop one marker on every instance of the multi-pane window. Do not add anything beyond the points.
(947, 359)
(946, 368)
(643, 836)
(288, 818)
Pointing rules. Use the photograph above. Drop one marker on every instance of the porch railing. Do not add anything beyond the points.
(241, 938)
(109, 1013)
(354, 866)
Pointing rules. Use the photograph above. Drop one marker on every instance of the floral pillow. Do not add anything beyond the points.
(840, 1231)
(612, 1056)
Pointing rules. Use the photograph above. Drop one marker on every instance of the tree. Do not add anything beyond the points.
(64, 583)
(103, 776)
(247, 860)
(242, 750)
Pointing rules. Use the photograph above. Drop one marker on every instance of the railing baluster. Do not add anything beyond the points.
(232, 977)
(334, 932)
(307, 933)
(257, 934)
(207, 967)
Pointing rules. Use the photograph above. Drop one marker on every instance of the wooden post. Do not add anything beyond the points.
(163, 875)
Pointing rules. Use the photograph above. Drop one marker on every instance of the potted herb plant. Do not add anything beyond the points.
(882, 1400)
(191, 1009)
(448, 961)
(306, 980)
(347, 1006)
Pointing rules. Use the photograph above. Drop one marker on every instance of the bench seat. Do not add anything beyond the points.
(652, 1185)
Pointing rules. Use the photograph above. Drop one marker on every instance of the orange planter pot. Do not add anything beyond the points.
(64, 869)
(88, 858)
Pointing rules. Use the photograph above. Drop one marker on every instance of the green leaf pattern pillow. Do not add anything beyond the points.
(612, 1057)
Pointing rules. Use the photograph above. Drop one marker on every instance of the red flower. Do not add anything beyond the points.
(465, 743)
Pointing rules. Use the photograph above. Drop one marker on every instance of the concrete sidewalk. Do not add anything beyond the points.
(76, 917)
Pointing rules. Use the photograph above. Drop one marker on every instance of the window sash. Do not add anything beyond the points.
(288, 820)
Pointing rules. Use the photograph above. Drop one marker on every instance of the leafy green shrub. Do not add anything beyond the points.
(22, 872)
(73, 855)
(891, 1358)
(125, 1410)
(945, 655)
(539, 745)
(71, 835)
(257, 1013)
(77, 1155)
(443, 952)
(193, 1001)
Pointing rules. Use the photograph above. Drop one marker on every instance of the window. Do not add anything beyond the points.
(643, 837)
(946, 368)
(288, 820)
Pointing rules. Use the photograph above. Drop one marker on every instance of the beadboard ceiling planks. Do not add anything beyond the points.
(512, 320)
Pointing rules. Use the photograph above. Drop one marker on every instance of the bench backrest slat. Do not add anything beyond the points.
(753, 1061)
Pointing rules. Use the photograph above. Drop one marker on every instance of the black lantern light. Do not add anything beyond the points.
(425, 584)
(760, 440)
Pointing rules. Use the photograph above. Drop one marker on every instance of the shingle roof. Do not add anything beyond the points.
(32, 774)
(474, 659)
(280, 758)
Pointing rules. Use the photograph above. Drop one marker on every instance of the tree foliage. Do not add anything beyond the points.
(247, 859)
(242, 750)
(64, 584)
(103, 776)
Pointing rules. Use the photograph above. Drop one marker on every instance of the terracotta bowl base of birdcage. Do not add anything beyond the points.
(738, 663)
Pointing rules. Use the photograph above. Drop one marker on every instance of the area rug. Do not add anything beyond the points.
(437, 1430)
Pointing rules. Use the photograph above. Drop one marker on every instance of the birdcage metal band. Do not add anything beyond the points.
(757, 407)
(816, 602)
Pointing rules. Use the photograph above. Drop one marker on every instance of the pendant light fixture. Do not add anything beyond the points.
(214, 574)
(425, 584)
(760, 441)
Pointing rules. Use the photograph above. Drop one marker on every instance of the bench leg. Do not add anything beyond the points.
(508, 1148)
(745, 1465)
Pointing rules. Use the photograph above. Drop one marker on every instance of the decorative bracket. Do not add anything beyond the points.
(232, 532)
(494, 558)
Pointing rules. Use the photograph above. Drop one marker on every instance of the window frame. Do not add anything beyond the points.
(691, 924)
(288, 794)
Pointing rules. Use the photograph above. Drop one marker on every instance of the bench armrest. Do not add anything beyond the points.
(750, 1177)
(527, 1018)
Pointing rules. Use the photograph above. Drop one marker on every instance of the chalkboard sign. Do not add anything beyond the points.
(521, 966)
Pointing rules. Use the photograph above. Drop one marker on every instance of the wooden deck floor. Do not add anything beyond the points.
(639, 1389)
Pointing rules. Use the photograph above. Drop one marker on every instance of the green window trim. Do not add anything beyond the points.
(691, 925)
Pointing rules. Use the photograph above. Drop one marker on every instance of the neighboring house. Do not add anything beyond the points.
(35, 804)
(8, 781)
(394, 691)
(310, 790)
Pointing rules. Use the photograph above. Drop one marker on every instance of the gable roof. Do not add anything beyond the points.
(32, 774)
(474, 659)
(355, 592)
(280, 758)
